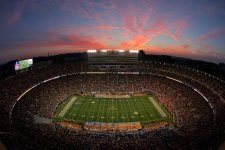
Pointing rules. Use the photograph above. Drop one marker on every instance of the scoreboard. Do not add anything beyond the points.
(23, 64)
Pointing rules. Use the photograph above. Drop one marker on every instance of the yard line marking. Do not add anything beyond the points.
(121, 104)
(159, 109)
(66, 108)
(81, 108)
(146, 109)
(117, 111)
(139, 110)
(95, 110)
(126, 109)
(76, 111)
(130, 109)
(112, 110)
(104, 110)
(153, 110)
(89, 110)
(98, 109)
(107, 112)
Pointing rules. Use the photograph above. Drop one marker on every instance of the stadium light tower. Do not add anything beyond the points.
(133, 51)
(121, 50)
(104, 50)
(92, 51)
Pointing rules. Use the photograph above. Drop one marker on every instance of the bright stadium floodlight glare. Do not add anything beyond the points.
(30, 61)
(104, 50)
(92, 51)
(121, 50)
(133, 51)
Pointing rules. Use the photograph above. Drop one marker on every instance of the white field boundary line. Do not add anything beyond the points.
(162, 113)
(66, 108)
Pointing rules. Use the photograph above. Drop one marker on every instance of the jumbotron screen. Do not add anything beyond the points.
(22, 64)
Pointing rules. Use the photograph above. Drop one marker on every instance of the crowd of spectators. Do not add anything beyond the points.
(191, 113)
(193, 117)
(211, 87)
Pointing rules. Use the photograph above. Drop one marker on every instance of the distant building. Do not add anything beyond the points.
(113, 59)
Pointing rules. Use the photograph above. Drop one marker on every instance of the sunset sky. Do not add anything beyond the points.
(187, 28)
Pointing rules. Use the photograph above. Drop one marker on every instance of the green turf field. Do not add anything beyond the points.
(113, 110)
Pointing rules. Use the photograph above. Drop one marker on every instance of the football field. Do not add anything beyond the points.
(112, 110)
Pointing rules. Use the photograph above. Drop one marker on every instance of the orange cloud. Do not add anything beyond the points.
(181, 50)
(136, 42)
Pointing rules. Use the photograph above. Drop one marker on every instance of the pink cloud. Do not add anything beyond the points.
(218, 32)
(135, 28)
(180, 26)
(109, 27)
(131, 24)
(72, 41)
(137, 42)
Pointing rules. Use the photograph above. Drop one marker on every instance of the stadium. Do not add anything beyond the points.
(114, 99)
